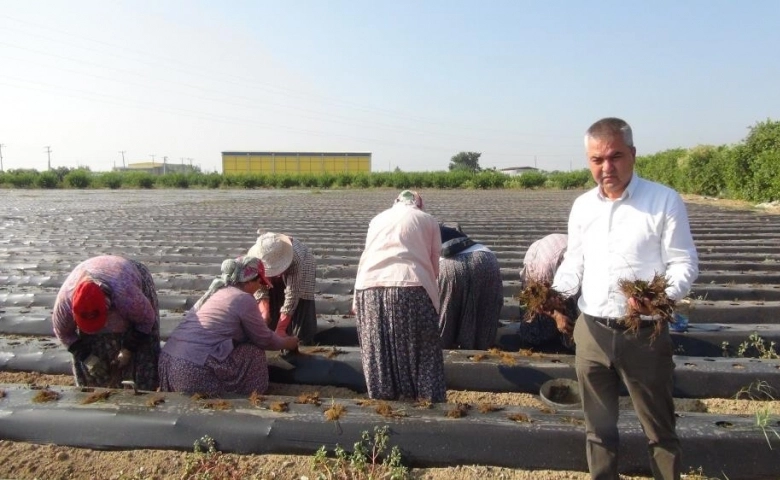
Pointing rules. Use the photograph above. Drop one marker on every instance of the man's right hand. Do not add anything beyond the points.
(564, 323)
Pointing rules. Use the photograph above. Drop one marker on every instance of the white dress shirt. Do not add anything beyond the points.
(644, 232)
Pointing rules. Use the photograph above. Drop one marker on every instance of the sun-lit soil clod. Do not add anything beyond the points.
(661, 305)
(539, 297)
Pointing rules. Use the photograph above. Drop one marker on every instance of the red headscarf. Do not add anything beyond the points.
(90, 309)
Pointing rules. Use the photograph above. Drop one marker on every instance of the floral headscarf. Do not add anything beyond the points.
(409, 197)
(235, 271)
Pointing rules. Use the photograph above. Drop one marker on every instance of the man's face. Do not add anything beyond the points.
(611, 163)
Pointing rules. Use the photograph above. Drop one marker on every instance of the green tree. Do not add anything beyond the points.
(468, 161)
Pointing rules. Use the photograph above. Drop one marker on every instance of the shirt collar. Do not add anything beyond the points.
(627, 193)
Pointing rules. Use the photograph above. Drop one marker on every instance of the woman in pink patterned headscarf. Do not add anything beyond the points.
(219, 347)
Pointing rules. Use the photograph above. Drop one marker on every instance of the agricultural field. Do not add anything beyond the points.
(727, 375)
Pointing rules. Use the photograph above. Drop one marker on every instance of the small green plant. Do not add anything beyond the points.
(366, 462)
(757, 347)
(761, 390)
(208, 463)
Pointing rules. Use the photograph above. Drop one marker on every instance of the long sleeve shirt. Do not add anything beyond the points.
(644, 232)
(129, 306)
(299, 279)
(228, 316)
(402, 249)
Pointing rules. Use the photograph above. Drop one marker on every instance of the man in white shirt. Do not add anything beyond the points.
(625, 228)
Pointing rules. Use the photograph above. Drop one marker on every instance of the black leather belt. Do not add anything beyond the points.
(617, 324)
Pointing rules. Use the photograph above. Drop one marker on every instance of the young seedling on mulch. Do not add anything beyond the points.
(155, 400)
(366, 402)
(488, 407)
(519, 417)
(217, 404)
(335, 411)
(331, 352)
(539, 297)
(479, 357)
(256, 399)
(386, 410)
(309, 398)
(660, 304)
(45, 395)
(98, 396)
(280, 407)
(459, 411)
(505, 357)
(423, 403)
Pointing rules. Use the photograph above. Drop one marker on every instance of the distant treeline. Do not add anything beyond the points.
(487, 179)
(749, 170)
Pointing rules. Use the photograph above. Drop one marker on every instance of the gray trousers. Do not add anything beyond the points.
(604, 358)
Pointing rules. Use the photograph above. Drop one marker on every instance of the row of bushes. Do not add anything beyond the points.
(82, 178)
(749, 170)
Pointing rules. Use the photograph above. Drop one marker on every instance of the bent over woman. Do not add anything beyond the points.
(106, 314)
(219, 347)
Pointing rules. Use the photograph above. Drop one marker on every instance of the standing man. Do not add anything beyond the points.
(625, 228)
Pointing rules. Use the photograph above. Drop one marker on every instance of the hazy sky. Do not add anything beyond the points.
(413, 82)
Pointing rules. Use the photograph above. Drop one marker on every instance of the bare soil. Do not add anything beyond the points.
(31, 461)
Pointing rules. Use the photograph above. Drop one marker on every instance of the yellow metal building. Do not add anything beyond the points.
(295, 162)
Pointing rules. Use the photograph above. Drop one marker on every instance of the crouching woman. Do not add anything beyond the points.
(219, 347)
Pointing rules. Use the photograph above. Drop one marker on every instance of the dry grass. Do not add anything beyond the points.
(540, 297)
(660, 304)
(46, 395)
(98, 396)
(280, 407)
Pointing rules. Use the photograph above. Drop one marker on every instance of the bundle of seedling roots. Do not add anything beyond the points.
(541, 298)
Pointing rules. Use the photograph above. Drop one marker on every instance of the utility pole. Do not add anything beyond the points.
(123, 157)
(165, 164)
(152, 155)
(1, 157)
(48, 154)
(534, 161)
